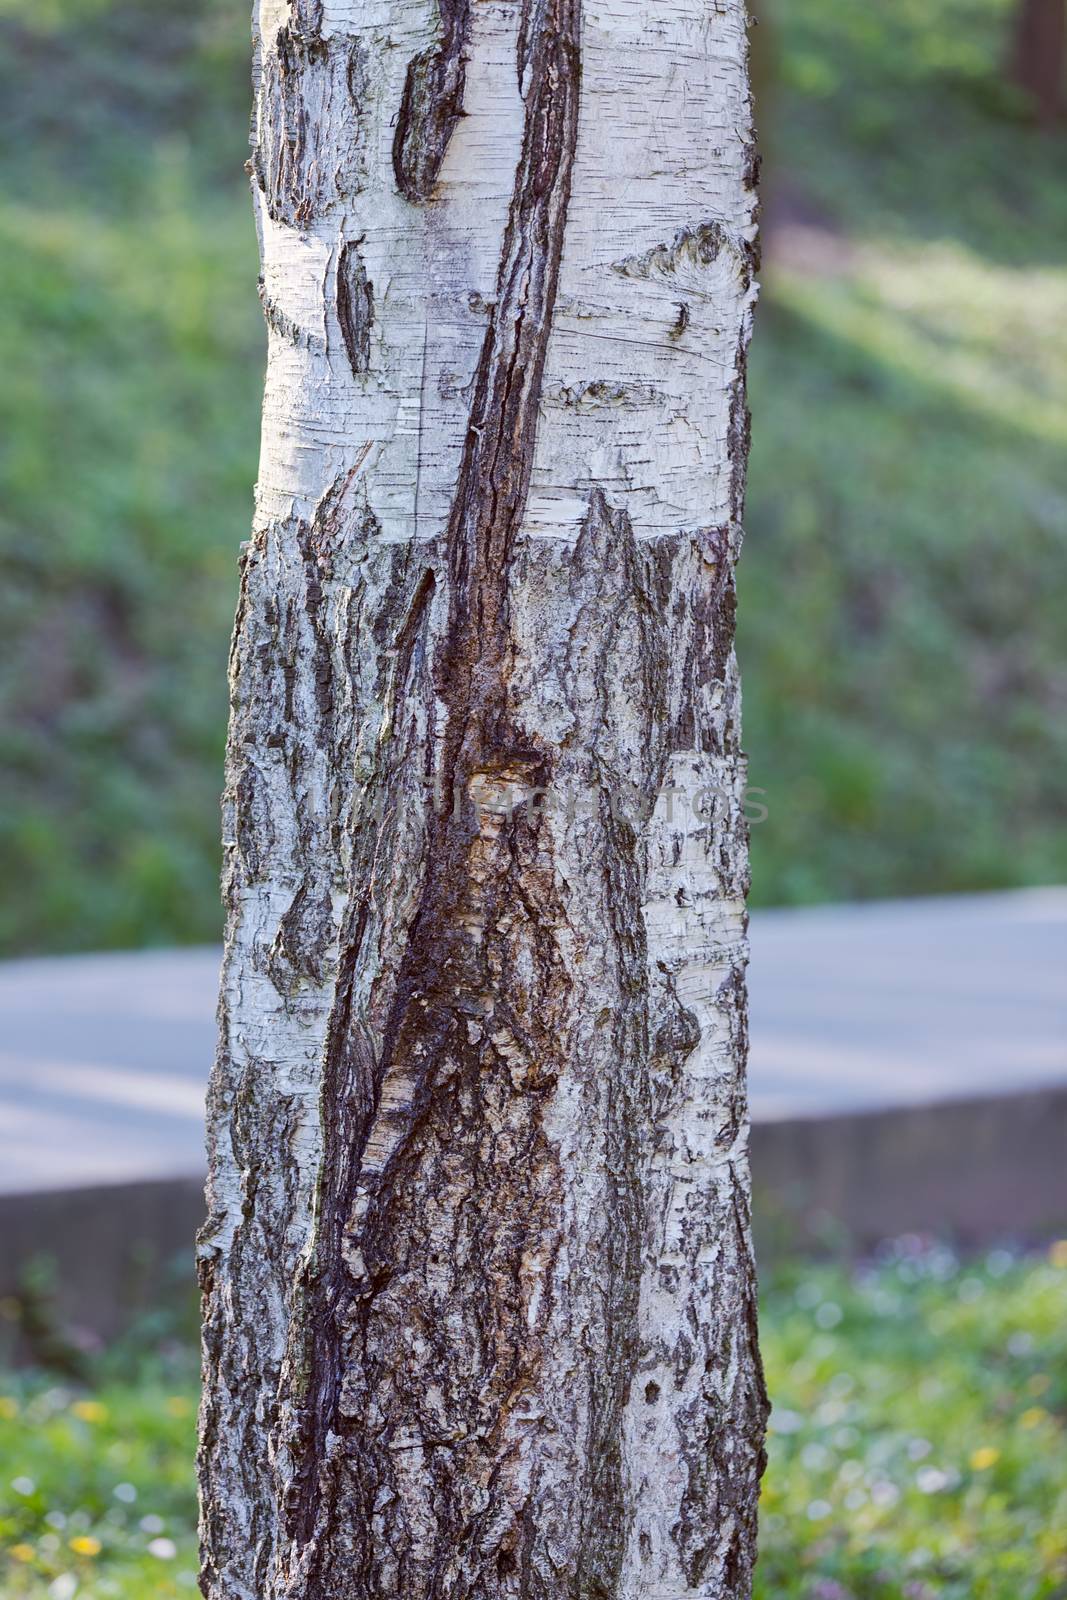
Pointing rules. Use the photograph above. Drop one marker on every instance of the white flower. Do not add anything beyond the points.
(165, 1549)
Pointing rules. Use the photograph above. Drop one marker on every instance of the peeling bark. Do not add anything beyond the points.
(478, 1289)
(432, 104)
(308, 91)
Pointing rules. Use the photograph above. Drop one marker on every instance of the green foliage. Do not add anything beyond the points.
(903, 578)
(132, 345)
(917, 1441)
(917, 1444)
(897, 121)
(98, 1497)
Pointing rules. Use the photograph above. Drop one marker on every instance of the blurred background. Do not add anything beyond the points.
(902, 599)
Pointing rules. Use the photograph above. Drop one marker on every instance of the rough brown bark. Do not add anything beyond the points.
(479, 1296)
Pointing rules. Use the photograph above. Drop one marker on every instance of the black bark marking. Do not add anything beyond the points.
(280, 158)
(739, 430)
(306, 18)
(431, 105)
(308, 82)
(470, 1102)
(302, 941)
(253, 827)
(494, 474)
(710, 638)
(603, 392)
(322, 668)
(530, 24)
(681, 322)
(355, 306)
(699, 246)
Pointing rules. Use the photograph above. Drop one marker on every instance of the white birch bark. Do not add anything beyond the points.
(479, 1295)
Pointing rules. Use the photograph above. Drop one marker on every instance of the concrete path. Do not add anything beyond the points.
(103, 1059)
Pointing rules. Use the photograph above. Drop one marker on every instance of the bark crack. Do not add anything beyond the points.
(438, 1043)
(432, 104)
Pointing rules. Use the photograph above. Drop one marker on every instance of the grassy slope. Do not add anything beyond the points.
(917, 1446)
(903, 581)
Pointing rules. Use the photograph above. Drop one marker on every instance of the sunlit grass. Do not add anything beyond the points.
(986, 339)
(904, 571)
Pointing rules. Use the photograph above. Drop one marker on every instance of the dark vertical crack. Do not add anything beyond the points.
(432, 1039)
(494, 475)
(306, 18)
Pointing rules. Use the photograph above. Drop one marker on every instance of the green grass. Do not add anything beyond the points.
(918, 1442)
(918, 1445)
(98, 1491)
(904, 575)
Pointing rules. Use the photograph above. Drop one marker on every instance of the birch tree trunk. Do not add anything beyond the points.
(479, 1295)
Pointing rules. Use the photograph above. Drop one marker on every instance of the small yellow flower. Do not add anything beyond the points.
(1039, 1383)
(22, 1552)
(1034, 1417)
(986, 1457)
(89, 1410)
(1057, 1253)
(85, 1545)
(8, 1408)
(178, 1405)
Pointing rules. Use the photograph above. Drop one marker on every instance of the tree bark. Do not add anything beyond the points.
(479, 1297)
(1039, 48)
